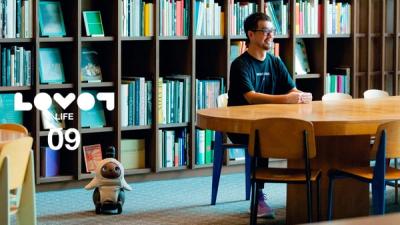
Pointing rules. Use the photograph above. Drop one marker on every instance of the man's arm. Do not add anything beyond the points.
(292, 97)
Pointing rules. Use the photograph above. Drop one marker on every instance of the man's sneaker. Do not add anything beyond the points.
(264, 210)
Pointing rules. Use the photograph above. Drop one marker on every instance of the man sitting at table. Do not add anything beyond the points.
(258, 77)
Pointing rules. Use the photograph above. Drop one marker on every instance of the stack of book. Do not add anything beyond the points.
(208, 18)
(338, 80)
(174, 17)
(174, 99)
(338, 17)
(136, 98)
(308, 17)
(16, 67)
(137, 18)
(239, 12)
(173, 147)
(278, 12)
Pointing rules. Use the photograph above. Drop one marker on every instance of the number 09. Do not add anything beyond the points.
(58, 131)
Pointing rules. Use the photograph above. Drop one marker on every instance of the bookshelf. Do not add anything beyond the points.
(371, 50)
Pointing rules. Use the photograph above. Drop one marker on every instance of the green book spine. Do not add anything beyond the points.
(208, 146)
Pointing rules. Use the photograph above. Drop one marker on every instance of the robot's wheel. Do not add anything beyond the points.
(98, 209)
(119, 208)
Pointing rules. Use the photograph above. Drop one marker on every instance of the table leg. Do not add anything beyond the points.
(217, 166)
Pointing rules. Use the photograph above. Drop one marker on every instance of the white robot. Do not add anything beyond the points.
(109, 184)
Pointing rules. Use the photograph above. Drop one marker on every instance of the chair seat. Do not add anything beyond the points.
(285, 175)
(367, 172)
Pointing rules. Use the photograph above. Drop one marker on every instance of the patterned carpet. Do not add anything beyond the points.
(181, 201)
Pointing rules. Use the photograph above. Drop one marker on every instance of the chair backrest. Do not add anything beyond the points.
(17, 153)
(222, 100)
(392, 139)
(282, 138)
(375, 94)
(336, 96)
(14, 127)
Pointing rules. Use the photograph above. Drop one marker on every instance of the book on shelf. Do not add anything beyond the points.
(172, 147)
(207, 18)
(15, 66)
(182, 92)
(200, 147)
(90, 66)
(174, 99)
(238, 13)
(207, 92)
(8, 114)
(177, 25)
(136, 104)
(204, 146)
(236, 154)
(338, 80)
(133, 153)
(51, 19)
(92, 155)
(338, 17)
(95, 117)
(49, 162)
(236, 49)
(93, 23)
(137, 18)
(308, 17)
(51, 66)
(16, 18)
(50, 116)
(301, 61)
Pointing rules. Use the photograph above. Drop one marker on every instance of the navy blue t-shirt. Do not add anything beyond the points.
(249, 74)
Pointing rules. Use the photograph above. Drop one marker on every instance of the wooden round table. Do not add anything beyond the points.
(9, 135)
(342, 128)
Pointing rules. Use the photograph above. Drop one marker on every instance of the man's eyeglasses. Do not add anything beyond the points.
(266, 31)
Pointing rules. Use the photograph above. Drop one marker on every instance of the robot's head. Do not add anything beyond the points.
(110, 170)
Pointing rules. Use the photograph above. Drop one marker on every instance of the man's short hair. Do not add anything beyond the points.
(251, 22)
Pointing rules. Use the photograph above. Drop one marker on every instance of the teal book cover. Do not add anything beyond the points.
(90, 66)
(51, 19)
(8, 115)
(94, 117)
(51, 66)
(93, 23)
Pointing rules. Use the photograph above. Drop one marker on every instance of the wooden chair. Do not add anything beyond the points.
(20, 128)
(222, 101)
(283, 138)
(14, 127)
(16, 171)
(385, 147)
(379, 94)
(375, 94)
(336, 96)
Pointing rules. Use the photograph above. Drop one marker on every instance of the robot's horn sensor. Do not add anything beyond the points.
(110, 152)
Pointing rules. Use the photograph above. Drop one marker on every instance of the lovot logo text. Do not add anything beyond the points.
(43, 101)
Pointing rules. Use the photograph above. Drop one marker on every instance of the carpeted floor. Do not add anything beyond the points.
(181, 201)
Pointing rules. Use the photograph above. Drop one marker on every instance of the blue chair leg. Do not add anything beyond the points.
(330, 197)
(378, 180)
(247, 173)
(217, 166)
